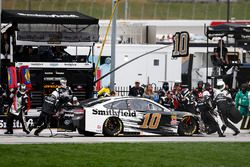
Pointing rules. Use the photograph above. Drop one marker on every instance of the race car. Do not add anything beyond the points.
(113, 116)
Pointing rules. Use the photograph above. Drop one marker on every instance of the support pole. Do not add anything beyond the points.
(0, 43)
(228, 10)
(228, 15)
(113, 47)
(126, 10)
(205, 26)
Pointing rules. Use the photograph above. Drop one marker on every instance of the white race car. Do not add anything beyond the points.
(113, 116)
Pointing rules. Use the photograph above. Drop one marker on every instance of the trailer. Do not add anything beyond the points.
(38, 39)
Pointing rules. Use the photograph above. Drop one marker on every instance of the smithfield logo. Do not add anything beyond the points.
(115, 113)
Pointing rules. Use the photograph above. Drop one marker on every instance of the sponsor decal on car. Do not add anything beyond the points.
(114, 113)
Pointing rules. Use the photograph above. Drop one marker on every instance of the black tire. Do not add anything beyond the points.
(187, 126)
(112, 127)
(85, 133)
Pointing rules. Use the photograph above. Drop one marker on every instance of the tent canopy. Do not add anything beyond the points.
(46, 17)
(50, 26)
(238, 31)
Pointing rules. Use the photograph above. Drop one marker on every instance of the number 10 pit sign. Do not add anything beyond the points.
(181, 44)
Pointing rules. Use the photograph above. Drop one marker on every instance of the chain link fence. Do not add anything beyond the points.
(142, 9)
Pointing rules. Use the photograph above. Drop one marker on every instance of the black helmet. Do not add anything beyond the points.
(207, 86)
(244, 86)
(165, 86)
(200, 83)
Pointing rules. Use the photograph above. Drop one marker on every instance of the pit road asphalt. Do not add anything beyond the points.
(46, 137)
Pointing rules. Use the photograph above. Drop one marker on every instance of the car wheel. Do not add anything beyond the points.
(85, 133)
(187, 126)
(112, 126)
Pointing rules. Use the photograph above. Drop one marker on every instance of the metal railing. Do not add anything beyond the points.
(124, 90)
(142, 9)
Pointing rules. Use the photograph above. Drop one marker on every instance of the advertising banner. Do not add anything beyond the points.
(12, 78)
(24, 76)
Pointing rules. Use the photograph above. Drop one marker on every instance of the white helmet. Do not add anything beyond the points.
(63, 83)
(55, 94)
(220, 85)
(22, 88)
(206, 93)
(74, 98)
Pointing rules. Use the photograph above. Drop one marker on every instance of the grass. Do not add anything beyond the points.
(127, 155)
(139, 9)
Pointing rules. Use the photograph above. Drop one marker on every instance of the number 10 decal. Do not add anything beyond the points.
(151, 123)
(181, 44)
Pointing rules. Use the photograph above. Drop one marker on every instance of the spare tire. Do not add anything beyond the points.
(187, 126)
(112, 126)
(234, 115)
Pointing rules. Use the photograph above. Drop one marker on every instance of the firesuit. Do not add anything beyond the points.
(17, 109)
(199, 90)
(242, 101)
(2, 94)
(223, 105)
(206, 109)
(52, 104)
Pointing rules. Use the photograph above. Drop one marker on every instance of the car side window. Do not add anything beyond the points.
(137, 104)
(154, 107)
(120, 105)
(143, 105)
(108, 106)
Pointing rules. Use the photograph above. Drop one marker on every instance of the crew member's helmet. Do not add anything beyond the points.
(244, 87)
(22, 88)
(75, 100)
(220, 85)
(206, 93)
(207, 86)
(63, 83)
(200, 84)
(165, 86)
(55, 94)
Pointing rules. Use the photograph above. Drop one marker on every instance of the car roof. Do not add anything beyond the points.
(114, 98)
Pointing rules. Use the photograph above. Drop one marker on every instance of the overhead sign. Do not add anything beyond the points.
(48, 15)
(181, 44)
(56, 36)
(54, 65)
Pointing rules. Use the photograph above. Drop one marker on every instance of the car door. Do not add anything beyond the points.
(153, 118)
(121, 109)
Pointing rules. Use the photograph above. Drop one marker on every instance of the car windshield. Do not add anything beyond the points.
(93, 102)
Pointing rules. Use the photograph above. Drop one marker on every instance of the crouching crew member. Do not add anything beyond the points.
(52, 104)
(208, 114)
(48, 110)
(223, 105)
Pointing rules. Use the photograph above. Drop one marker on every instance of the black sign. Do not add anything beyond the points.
(181, 44)
(52, 37)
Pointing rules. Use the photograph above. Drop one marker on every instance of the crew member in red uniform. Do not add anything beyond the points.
(198, 92)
